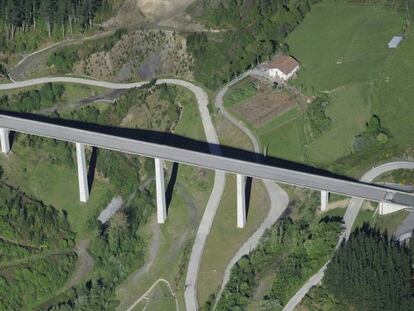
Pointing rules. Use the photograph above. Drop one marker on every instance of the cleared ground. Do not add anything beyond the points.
(264, 107)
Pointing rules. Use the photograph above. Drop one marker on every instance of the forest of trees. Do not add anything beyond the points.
(36, 254)
(33, 100)
(31, 222)
(21, 15)
(252, 32)
(372, 271)
(23, 23)
(291, 251)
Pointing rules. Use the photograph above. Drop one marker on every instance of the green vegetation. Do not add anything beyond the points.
(33, 100)
(371, 272)
(374, 134)
(176, 237)
(400, 176)
(360, 89)
(225, 238)
(316, 116)
(118, 247)
(35, 250)
(63, 59)
(291, 251)
(25, 24)
(24, 286)
(351, 71)
(253, 32)
(240, 92)
(32, 223)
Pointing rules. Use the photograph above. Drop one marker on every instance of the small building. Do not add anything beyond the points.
(282, 67)
(394, 42)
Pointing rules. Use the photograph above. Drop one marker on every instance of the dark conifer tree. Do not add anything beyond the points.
(371, 271)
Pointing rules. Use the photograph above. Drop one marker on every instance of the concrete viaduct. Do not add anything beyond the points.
(389, 198)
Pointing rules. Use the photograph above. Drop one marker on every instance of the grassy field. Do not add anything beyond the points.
(160, 299)
(349, 60)
(55, 185)
(225, 238)
(239, 92)
(189, 198)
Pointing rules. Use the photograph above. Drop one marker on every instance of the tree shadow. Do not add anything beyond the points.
(171, 184)
(248, 192)
(92, 167)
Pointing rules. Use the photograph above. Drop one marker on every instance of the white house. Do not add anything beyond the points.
(282, 67)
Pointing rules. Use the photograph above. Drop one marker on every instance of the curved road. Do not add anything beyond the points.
(279, 200)
(211, 135)
(34, 59)
(350, 215)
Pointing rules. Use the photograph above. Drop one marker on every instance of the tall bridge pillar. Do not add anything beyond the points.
(324, 200)
(160, 188)
(241, 201)
(82, 174)
(5, 142)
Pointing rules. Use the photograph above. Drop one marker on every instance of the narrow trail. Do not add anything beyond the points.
(279, 200)
(144, 296)
(349, 218)
(30, 61)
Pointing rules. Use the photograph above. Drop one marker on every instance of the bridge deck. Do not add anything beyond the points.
(206, 160)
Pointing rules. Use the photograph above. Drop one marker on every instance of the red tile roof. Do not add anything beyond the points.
(284, 63)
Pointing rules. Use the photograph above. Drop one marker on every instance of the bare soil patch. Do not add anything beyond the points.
(264, 107)
(139, 12)
(141, 55)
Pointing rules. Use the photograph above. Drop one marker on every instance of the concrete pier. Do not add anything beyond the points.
(324, 200)
(82, 173)
(5, 142)
(388, 208)
(241, 201)
(160, 187)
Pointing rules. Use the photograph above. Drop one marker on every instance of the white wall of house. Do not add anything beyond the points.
(274, 72)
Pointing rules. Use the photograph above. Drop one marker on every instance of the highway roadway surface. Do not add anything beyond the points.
(211, 160)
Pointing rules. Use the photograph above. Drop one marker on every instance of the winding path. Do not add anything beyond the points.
(350, 215)
(32, 60)
(211, 135)
(144, 296)
(279, 200)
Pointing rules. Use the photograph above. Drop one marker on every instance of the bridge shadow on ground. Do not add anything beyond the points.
(171, 184)
(178, 141)
(92, 166)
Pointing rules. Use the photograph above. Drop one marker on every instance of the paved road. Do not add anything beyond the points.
(212, 138)
(29, 62)
(212, 161)
(405, 229)
(349, 218)
(278, 198)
